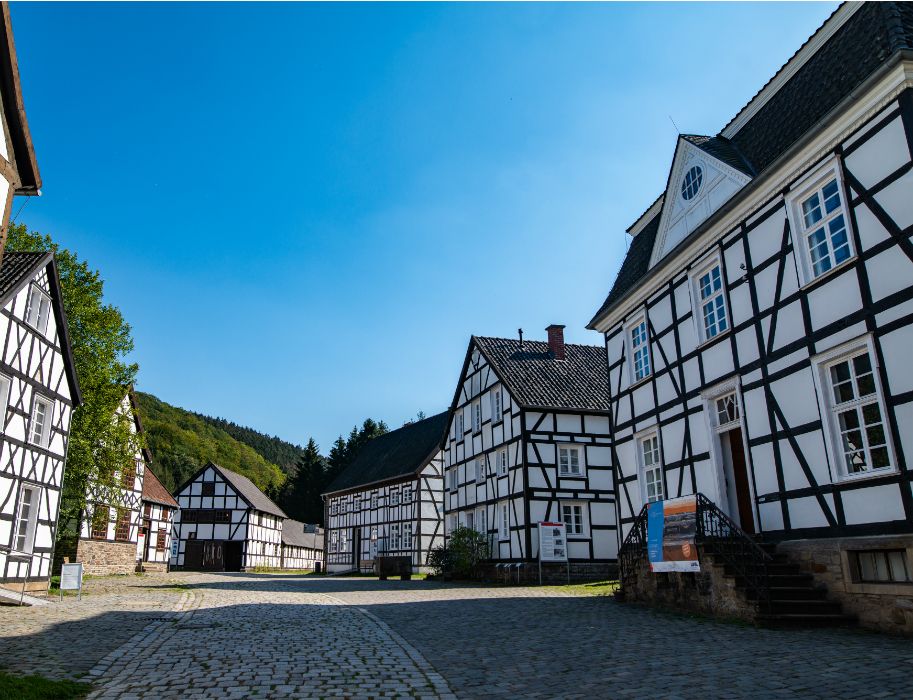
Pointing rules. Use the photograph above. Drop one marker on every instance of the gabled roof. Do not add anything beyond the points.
(14, 110)
(243, 486)
(536, 379)
(154, 492)
(16, 270)
(394, 455)
(854, 42)
(298, 534)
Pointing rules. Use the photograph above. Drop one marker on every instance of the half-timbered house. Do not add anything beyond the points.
(388, 502)
(18, 167)
(759, 329)
(529, 442)
(153, 547)
(110, 528)
(38, 392)
(302, 546)
(225, 523)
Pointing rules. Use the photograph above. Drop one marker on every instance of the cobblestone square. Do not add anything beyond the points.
(283, 636)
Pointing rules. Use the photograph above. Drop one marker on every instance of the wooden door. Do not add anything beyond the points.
(356, 548)
(213, 555)
(234, 555)
(742, 485)
(193, 555)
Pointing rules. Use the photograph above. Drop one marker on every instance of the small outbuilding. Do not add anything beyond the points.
(302, 546)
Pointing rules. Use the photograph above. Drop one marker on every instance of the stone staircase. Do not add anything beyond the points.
(795, 599)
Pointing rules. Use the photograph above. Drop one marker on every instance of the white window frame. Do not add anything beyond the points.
(407, 536)
(504, 521)
(497, 405)
(31, 524)
(395, 537)
(453, 478)
(482, 520)
(572, 533)
(800, 193)
(480, 469)
(458, 427)
(36, 320)
(640, 438)
(406, 496)
(469, 519)
(641, 347)
(45, 437)
(834, 447)
(374, 500)
(502, 462)
(394, 497)
(571, 448)
(334, 541)
(6, 384)
(476, 412)
(716, 295)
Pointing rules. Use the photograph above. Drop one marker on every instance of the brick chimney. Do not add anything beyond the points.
(556, 340)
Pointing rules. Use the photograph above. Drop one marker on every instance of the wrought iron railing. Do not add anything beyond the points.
(715, 532)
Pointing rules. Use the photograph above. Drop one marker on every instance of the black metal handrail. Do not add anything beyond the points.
(716, 532)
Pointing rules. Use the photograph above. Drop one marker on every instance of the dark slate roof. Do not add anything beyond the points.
(295, 534)
(723, 150)
(396, 454)
(154, 491)
(537, 380)
(15, 269)
(249, 491)
(868, 39)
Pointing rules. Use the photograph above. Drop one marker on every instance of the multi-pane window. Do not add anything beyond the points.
(333, 539)
(505, 521)
(482, 521)
(395, 537)
(858, 415)
(882, 566)
(501, 459)
(458, 425)
(26, 517)
(651, 468)
(122, 531)
(572, 517)
(712, 301)
(394, 498)
(569, 461)
(100, 515)
(452, 474)
(823, 224)
(160, 540)
(496, 409)
(374, 501)
(470, 520)
(128, 477)
(640, 350)
(407, 535)
(727, 409)
(477, 417)
(39, 309)
(480, 469)
(407, 494)
(40, 428)
(208, 488)
(207, 515)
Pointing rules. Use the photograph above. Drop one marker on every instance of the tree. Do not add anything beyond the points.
(344, 452)
(301, 497)
(101, 441)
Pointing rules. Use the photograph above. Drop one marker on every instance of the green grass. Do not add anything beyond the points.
(598, 588)
(38, 688)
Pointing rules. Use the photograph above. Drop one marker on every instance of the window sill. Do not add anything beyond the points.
(866, 476)
(640, 382)
(809, 285)
(710, 341)
(576, 477)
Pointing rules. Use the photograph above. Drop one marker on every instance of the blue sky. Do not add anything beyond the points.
(304, 211)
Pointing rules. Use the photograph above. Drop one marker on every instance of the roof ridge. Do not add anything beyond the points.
(543, 342)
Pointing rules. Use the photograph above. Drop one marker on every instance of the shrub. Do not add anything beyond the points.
(465, 550)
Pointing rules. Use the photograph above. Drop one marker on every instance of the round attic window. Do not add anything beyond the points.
(691, 184)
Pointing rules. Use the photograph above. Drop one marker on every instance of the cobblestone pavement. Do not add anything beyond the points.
(247, 635)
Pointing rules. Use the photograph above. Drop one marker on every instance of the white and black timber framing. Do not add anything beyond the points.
(389, 501)
(38, 392)
(302, 546)
(225, 523)
(791, 331)
(535, 401)
(159, 509)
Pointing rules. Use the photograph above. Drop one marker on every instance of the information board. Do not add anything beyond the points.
(71, 578)
(671, 527)
(552, 542)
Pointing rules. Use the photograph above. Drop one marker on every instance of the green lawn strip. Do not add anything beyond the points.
(38, 688)
(598, 588)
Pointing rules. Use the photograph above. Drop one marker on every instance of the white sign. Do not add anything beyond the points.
(552, 542)
(174, 549)
(71, 578)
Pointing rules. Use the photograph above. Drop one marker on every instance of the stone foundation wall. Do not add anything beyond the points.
(155, 566)
(707, 592)
(887, 607)
(552, 573)
(103, 558)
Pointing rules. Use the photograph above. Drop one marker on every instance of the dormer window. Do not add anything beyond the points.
(691, 184)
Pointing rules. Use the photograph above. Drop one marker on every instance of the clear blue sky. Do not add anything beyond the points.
(304, 211)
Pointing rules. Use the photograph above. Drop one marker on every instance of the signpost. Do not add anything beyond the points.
(71, 579)
(671, 526)
(553, 546)
(174, 549)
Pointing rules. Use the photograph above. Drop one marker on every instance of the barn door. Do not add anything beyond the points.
(193, 555)
(214, 555)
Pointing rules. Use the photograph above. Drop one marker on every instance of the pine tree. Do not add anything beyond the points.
(301, 499)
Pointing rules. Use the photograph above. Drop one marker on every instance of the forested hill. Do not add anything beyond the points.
(273, 449)
(182, 442)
